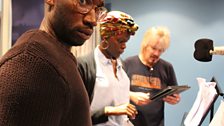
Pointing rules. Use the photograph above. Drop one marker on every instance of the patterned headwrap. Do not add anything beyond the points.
(115, 23)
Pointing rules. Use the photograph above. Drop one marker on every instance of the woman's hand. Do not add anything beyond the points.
(125, 109)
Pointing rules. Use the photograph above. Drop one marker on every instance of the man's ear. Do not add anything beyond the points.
(50, 2)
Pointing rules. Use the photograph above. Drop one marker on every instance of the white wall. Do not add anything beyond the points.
(0, 26)
(188, 20)
(6, 27)
(0, 5)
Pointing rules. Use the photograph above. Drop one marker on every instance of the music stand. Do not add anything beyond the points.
(211, 106)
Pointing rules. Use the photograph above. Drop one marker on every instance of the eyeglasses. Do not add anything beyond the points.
(85, 6)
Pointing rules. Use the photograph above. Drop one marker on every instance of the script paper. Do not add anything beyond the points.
(205, 97)
(218, 119)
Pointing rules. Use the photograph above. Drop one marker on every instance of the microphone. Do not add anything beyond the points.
(204, 50)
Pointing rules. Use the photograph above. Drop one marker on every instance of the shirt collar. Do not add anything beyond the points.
(104, 60)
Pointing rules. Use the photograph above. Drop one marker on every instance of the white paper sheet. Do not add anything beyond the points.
(205, 96)
(218, 119)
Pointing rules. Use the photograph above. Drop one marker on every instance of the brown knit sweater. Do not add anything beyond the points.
(40, 84)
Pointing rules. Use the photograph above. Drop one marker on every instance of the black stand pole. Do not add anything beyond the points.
(220, 92)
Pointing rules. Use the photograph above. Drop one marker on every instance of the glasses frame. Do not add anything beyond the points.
(100, 12)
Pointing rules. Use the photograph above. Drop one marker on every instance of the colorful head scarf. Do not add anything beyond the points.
(115, 23)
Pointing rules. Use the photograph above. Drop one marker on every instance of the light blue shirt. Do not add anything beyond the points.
(109, 90)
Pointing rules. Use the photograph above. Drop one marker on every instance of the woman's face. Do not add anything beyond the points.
(117, 44)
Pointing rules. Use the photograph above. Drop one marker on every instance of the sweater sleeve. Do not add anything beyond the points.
(87, 69)
(31, 92)
(99, 117)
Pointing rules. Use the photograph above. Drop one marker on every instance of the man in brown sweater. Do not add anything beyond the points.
(39, 81)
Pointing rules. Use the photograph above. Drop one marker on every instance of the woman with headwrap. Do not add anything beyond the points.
(106, 82)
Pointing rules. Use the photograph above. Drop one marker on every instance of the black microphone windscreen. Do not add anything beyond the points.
(202, 48)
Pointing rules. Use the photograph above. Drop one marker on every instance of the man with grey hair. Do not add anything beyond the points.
(148, 70)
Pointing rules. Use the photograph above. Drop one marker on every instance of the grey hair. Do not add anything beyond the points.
(155, 34)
